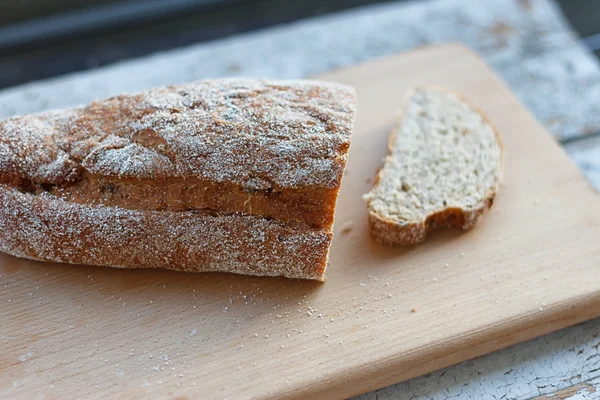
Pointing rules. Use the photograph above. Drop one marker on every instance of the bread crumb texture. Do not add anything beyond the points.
(442, 169)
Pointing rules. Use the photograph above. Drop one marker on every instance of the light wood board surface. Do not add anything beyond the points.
(532, 266)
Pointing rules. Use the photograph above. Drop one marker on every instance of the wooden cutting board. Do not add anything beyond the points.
(384, 315)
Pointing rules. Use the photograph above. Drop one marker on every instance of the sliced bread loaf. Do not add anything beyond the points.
(233, 175)
(442, 169)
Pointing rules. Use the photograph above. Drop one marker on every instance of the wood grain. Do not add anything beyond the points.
(531, 267)
(582, 389)
(537, 367)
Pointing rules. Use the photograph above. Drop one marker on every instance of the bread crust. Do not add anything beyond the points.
(233, 175)
(43, 227)
(256, 133)
(391, 233)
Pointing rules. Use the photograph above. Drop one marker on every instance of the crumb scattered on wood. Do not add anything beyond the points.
(414, 309)
(347, 227)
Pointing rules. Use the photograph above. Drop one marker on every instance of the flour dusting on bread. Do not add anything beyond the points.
(235, 175)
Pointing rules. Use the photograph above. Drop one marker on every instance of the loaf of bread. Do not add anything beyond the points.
(232, 175)
(442, 169)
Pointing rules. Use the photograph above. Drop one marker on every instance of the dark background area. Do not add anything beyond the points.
(45, 38)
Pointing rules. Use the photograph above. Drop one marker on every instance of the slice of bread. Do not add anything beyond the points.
(442, 169)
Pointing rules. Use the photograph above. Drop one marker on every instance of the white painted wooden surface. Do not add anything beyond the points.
(527, 42)
(586, 153)
(540, 366)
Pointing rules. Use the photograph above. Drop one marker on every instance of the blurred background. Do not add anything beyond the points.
(46, 38)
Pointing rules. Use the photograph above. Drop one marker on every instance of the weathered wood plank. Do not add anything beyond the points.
(528, 42)
(539, 367)
(586, 154)
(581, 391)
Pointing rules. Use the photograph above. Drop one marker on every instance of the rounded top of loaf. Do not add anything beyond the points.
(258, 133)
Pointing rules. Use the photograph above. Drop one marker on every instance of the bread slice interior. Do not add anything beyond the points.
(442, 169)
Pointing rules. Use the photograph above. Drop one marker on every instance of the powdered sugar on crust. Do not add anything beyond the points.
(252, 132)
(42, 227)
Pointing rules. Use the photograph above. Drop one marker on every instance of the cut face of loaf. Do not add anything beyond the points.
(251, 167)
(442, 169)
